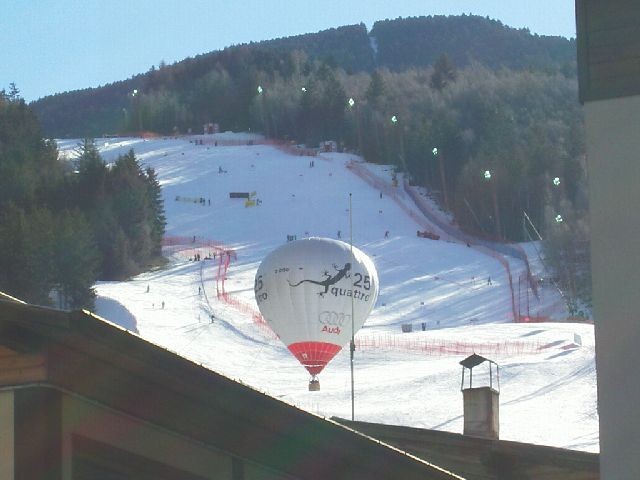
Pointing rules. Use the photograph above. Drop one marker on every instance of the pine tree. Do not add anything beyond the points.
(157, 218)
(444, 73)
(26, 241)
(14, 93)
(131, 204)
(335, 102)
(75, 259)
(377, 89)
(92, 175)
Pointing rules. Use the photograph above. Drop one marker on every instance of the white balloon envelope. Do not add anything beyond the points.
(305, 290)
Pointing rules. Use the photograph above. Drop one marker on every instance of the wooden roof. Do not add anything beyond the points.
(484, 458)
(79, 352)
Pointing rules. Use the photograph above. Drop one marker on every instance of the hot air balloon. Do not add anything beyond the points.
(307, 290)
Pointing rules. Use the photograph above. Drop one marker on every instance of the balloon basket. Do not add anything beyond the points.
(314, 385)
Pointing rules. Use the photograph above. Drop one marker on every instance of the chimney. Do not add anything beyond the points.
(482, 402)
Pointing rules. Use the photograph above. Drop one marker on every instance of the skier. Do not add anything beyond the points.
(489, 280)
(147, 288)
(339, 234)
(386, 234)
(162, 304)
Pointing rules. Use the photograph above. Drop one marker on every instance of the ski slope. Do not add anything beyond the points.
(547, 380)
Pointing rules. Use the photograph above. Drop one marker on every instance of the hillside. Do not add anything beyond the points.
(345, 47)
(399, 44)
(548, 393)
(419, 41)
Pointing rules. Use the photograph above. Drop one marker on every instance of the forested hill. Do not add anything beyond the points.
(419, 41)
(346, 47)
(220, 86)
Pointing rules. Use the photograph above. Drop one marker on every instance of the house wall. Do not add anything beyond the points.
(608, 39)
(608, 48)
(82, 419)
(91, 421)
(613, 153)
(51, 435)
(6, 435)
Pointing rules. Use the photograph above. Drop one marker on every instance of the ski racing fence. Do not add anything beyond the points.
(220, 256)
(512, 250)
(443, 347)
(287, 147)
(387, 189)
(429, 219)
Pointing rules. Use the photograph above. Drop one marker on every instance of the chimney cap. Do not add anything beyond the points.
(474, 360)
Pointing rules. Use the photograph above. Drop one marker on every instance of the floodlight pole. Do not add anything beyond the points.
(352, 345)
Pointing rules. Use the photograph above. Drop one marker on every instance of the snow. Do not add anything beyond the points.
(548, 384)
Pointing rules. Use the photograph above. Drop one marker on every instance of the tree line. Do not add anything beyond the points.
(65, 224)
(396, 45)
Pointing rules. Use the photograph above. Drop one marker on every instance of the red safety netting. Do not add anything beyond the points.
(443, 347)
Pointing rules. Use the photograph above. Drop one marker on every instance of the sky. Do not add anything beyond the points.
(52, 46)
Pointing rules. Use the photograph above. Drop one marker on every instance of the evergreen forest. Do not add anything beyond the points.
(64, 225)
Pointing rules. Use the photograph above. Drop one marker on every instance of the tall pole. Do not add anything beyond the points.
(519, 297)
(136, 103)
(351, 104)
(528, 313)
(262, 94)
(496, 210)
(398, 126)
(359, 131)
(437, 153)
(352, 345)
(494, 196)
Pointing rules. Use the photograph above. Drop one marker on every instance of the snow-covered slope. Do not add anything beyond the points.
(548, 383)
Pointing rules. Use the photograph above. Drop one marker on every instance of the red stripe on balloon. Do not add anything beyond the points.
(314, 356)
